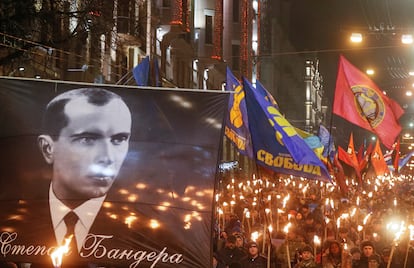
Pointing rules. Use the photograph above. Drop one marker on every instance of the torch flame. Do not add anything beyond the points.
(58, 253)
(316, 240)
(366, 218)
(285, 200)
(270, 228)
(411, 227)
(254, 236)
(286, 229)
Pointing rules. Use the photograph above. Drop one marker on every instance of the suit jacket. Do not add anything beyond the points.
(113, 240)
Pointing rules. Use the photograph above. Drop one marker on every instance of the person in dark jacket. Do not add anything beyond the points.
(307, 259)
(369, 258)
(229, 254)
(253, 259)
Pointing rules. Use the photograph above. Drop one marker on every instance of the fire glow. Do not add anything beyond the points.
(57, 254)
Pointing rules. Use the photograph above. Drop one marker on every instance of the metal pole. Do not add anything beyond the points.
(148, 27)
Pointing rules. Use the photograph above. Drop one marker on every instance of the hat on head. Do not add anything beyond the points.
(367, 243)
(251, 243)
(307, 248)
(331, 242)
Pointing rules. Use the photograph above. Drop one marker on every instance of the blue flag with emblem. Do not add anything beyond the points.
(276, 143)
(237, 125)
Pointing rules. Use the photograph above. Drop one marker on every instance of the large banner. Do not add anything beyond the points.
(276, 143)
(125, 174)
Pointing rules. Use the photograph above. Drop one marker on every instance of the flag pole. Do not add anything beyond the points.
(267, 236)
(328, 160)
(331, 119)
(266, 231)
(148, 37)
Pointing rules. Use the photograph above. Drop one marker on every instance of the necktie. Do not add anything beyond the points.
(70, 220)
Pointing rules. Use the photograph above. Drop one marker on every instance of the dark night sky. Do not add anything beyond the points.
(323, 28)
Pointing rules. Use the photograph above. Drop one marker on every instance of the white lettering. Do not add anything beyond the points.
(93, 246)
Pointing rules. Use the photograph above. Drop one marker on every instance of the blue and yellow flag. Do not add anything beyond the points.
(262, 90)
(314, 142)
(401, 162)
(237, 125)
(276, 143)
(327, 140)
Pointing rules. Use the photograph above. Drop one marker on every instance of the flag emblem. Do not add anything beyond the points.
(369, 104)
(356, 95)
(236, 117)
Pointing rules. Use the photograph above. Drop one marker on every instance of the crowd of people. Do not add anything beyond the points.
(297, 250)
(384, 240)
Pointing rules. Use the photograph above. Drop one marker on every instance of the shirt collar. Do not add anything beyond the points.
(86, 212)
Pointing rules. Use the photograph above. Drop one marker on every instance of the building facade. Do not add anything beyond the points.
(193, 41)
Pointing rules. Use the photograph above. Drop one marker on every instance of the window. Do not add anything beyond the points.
(236, 10)
(209, 29)
(123, 16)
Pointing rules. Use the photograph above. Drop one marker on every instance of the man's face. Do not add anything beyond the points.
(334, 248)
(90, 150)
(230, 245)
(253, 250)
(356, 256)
(368, 251)
(239, 242)
(291, 235)
(306, 255)
(304, 211)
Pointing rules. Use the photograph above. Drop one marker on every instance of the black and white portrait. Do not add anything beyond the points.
(128, 173)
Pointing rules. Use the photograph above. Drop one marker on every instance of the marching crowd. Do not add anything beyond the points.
(298, 249)
(344, 246)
